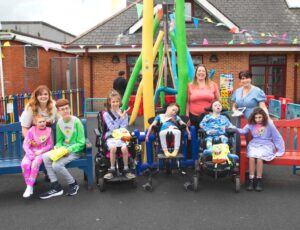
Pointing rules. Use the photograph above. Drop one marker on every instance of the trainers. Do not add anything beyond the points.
(128, 174)
(250, 185)
(55, 190)
(110, 174)
(73, 189)
(28, 192)
(259, 186)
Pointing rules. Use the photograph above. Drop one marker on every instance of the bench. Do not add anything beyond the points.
(289, 129)
(11, 152)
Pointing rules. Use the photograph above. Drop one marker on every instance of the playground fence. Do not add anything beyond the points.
(12, 106)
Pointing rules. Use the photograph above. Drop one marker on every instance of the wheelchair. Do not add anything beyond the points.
(163, 162)
(102, 161)
(207, 164)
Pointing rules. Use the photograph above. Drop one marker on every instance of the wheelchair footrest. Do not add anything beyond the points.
(163, 156)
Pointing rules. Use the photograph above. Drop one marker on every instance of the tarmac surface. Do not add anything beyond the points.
(169, 206)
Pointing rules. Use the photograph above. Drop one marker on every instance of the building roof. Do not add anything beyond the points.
(262, 17)
(256, 21)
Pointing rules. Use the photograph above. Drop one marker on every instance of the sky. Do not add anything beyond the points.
(73, 16)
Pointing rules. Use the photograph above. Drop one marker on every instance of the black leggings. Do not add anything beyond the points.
(195, 120)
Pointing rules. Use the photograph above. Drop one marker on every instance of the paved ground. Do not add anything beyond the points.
(169, 206)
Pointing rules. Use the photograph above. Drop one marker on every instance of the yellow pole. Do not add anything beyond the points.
(139, 93)
(71, 101)
(147, 58)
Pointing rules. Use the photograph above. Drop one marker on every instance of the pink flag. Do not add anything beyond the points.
(205, 42)
(284, 36)
(269, 41)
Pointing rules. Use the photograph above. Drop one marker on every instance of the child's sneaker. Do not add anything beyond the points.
(55, 190)
(259, 185)
(73, 189)
(110, 174)
(250, 185)
(28, 192)
(128, 174)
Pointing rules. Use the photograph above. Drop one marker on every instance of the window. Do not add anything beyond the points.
(31, 57)
(269, 74)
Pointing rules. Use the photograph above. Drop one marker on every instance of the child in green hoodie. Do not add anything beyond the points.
(70, 139)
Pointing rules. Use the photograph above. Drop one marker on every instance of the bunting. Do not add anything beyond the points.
(139, 9)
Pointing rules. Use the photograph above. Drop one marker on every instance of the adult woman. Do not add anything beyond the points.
(248, 95)
(40, 103)
(201, 93)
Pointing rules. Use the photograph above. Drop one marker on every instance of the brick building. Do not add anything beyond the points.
(262, 36)
(26, 58)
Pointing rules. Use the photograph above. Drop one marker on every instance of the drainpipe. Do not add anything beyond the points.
(296, 64)
(91, 77)
(1, 72)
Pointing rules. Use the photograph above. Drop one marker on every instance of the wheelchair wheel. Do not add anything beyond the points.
(195, 183)
(237, 184)
(101, 184)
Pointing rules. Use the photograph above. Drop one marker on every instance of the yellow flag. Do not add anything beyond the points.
(6, 44)
(2, 56)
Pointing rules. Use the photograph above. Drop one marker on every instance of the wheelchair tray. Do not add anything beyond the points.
(163, 156)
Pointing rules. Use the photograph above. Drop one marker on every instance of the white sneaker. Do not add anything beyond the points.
(28, 191)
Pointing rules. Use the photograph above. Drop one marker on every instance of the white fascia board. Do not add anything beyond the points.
(105, 50)
(197, 49)
(214, 11)
(139, 23)
(32, 41)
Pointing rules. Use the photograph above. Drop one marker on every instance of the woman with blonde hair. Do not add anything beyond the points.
(201, 93)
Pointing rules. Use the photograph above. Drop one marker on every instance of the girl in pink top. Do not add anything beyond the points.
(38, 140)
(201, 93)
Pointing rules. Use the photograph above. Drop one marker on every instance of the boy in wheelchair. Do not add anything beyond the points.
(169, 125)
(114, 141)
(215, 129)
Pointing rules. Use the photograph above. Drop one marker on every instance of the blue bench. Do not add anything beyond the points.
(11, 152)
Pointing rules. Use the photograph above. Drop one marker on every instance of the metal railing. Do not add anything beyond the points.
(12, 106)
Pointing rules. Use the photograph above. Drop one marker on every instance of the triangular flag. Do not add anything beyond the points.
(207, 19)
(132, 46)
(243, 31)
(257, 42)
(233, 30)
(196, 22)
(2, 56)
(269, 41)
(139, 8)
(220, 24)
(160, 14)
(295, 41)
(242, 43)
(205, 42)
(284, 36)
(81, 46)
(6, 44)
(262, 34)
(98, 46)
(230, 42)
(46, 47)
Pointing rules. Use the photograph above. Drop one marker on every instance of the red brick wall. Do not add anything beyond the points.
(17, 78)
(104, 71)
